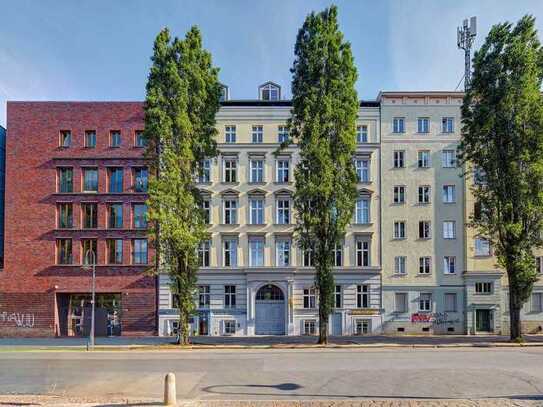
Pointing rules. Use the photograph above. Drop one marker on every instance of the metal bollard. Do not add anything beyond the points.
(170, 397)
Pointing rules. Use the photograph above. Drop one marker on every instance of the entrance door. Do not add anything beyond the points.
(336, 324)
(483, 320)
(270, 311)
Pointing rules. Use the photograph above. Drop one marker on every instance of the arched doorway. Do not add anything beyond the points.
(270, 311)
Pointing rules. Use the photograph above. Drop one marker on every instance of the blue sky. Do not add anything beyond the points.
(100, 49)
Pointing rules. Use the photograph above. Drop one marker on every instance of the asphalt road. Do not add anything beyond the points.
(515, 373)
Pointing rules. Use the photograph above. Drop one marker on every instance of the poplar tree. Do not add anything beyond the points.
(323, 124)
(502, 144)
(183, 94)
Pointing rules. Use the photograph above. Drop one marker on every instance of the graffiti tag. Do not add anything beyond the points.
(21, 320)
(437, 318)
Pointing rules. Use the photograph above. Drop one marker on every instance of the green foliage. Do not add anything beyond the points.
(503, 137)
(323, 123)
(182, 99)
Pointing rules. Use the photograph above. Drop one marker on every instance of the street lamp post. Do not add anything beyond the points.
(90, 255)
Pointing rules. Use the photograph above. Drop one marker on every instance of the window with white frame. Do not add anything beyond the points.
(362, 210)
(256, 208)
(310, 327)
(256, 251)
(203, 296)
(425, 229)
(484, 288)
(258, 134)
(230, 252)
(399, 194)
(449, 264)
(283, 211)
(338, 255)
(398, 125)
(449, 229)
(310, 297)
(424, 194)
(282, 249)
(399, 229)
(283, 170)
(400, 265)
(362, 253)
(362, 170)
(450, 302)
(362, 326)
(230, 166)
(482, 247)
(362, 296)
(308, 257)
(449, 193)
(229, 327)
(270, 91)
(256, 170)
(338, 297)
(204, 175)
(282, 134)
(400, 303)
(399, 161)
(425, 302)
(425, 264)
(230, 215)
(206, 208)
(537, 302)
(362, 134)
(229, 296)
(423, 159)
(423, 125)
(204, 249)
(447, 125)
(230, 134)
(448, 158)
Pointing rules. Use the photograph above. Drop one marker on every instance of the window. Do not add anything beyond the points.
(229, 327)
(423, 125)
(424, 159)
(90, 139)
(310, 327)
(400, 303)
(425, 264)
(449, 193)
(269, 92)
(338, 255)
(539, 264)
(139, 139)
(89, 253)
(114, 251)
(204, 176)
(363, 296)
(399, 230)
(310, 298)
(115, 216)
(362, 134)
(482, 247)
(257, 211)
(256, 251)
(258, 134)
(114, 138)
(537, 302)
(398, 125)
(65, 139)
(139, 216)
(449, 229)
(283, 211)
(363, 170)
(282, 134)
(399, 194)
(204, 253)
(282, 247)
(65, 215)
(224, 93)
(64, 251)
(425, 302)
(203, 296)
(90, 215)
(447, 125)
(141, 179)
(115, 181)
(450, 302)
(362, 327)
(362, 211)
(230, 252)
(229, 296)
(425, 229)
(230, 134)
(483, 288)
(139, 251)
(230, 170)
(362, 253)
(257, 171)
(399, 159)
(282, 171)
(449, 264)
(400, 264)
(338, 303)
(206, 209)
(424, 194)
(448, 158)
(308, 257)
(230, 211)
(90, 180)
(65, 180)
(479, 176)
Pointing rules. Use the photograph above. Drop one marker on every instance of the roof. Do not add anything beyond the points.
(284, 103)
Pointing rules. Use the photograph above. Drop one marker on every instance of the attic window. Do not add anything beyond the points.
(224, 93)
(269, 91)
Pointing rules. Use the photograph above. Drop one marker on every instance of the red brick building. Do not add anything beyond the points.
(75, 186)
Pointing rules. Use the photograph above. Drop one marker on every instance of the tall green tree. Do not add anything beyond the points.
(183, 94)
(323, 124)
(502, 139)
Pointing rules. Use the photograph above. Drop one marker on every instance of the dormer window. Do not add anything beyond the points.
(225, 93)
(270, 91)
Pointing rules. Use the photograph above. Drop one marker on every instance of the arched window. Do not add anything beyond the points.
(270, 292)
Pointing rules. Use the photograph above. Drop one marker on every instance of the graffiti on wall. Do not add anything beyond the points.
(436, 318)
(20, 320)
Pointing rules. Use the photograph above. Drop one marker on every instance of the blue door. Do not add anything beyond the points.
(270, 311)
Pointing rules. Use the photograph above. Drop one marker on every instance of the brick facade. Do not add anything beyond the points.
(32, 281)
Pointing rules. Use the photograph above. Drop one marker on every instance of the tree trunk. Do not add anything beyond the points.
(323, 330)
(183, 333)
(515, 328)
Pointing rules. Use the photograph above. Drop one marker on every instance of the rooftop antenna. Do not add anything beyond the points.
(465, 36)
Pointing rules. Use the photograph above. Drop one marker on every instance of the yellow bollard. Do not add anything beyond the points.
(170, 397)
